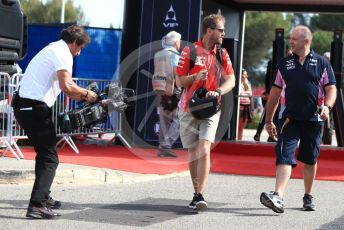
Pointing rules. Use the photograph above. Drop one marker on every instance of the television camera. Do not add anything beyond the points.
(112, 98)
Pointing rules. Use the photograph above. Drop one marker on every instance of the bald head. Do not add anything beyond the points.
(300, 40)
(304, 32)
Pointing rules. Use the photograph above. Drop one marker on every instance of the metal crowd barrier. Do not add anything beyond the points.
(6, 92)
(11, 131)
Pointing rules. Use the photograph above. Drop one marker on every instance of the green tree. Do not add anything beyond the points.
(323, 26)
(259, 35)
(50, 11)
(327, 22)
(300, 19)
(260, 32)
(322, 41)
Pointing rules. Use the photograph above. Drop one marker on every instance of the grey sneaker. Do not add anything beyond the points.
(53, 204)
(273, 201)
(41, 213)
(308, 204)
(166, 152)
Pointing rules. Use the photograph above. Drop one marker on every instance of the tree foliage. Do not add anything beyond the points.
(300, 19)
(327, 22)
(322, 41)
(50, 11)
(322, 26)
(259, 35)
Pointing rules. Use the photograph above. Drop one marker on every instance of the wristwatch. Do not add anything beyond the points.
(219, 91)
(328, 106)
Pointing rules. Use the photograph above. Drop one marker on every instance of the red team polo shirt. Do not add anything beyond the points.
(204, 60)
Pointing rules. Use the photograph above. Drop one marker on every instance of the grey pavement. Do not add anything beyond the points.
(162, 204)
(96, 198)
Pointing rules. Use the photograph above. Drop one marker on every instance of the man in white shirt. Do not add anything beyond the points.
(47, 74)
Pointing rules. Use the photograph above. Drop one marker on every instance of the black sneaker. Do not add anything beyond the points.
(273, 201)
(192, 204)
(53, 204)
(272, 139)
(41, 213)
(308, 204)
(256, 137)
(201, 204)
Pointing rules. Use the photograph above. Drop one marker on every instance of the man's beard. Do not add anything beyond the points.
(217, 41)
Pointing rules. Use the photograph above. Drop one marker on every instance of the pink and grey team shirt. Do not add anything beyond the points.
(303, 86)
(204, 60)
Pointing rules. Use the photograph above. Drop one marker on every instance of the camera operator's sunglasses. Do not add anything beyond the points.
(220, 30)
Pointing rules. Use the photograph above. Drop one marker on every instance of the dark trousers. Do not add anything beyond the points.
(35, 118)
(261, 123)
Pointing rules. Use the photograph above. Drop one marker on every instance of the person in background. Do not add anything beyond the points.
(261, 124)
(306, 86)
(165, 62)
(197, 135)
(245, 94)
(328, 130)
(48, 73)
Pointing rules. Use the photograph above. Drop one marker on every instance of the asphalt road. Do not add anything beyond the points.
(161, 204)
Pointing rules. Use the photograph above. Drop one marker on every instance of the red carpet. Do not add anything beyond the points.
(137, 160)
(231, 158)
(259, 160)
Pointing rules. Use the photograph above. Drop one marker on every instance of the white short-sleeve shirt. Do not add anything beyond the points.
(40, 80)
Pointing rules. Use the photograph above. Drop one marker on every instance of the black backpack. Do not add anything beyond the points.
(193, 55)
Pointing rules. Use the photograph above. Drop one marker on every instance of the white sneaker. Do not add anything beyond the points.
(273, 201)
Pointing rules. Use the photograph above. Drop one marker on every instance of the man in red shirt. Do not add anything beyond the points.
(198, 135)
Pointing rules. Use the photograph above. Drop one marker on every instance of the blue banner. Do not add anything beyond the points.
(99, 60)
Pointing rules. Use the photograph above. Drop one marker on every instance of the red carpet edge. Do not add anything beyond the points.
(227, 157)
